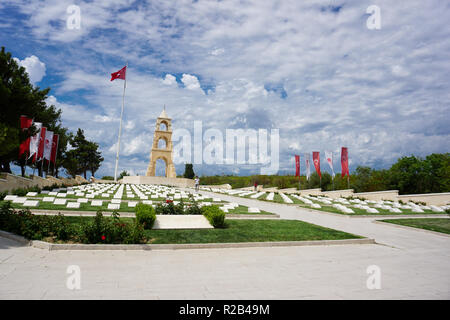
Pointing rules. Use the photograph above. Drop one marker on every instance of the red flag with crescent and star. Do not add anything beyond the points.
(297, 165)
(316, 160)
(25, 123)
(344, 162)
(119, 74)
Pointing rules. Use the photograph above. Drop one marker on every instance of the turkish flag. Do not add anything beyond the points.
(119, 74)
(54, 148)
(25, 123)
(297, 165)
(344, 162)
(40, 153)
(316, 160)
(48, 145)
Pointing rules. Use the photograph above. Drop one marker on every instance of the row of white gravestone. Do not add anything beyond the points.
(370, 206)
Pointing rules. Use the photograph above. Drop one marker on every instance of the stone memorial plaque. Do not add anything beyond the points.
(60, 201)
(73, 205)
(31, 203)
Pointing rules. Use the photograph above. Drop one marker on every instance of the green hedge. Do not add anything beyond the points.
(215, 216)
(145, 215)
(98, 230)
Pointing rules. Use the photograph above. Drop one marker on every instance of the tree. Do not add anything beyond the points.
(19, 97)
(363, 182)
(408, 175)
(189, 171)
(94, 157)
(437, 167)
(84, 155)
(123, 174)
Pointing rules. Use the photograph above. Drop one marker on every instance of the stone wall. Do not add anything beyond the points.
(437, 199)
(9, 182)
(338, 193)
(54, 180)
(41, 182)
(81, 180)
(378, 195)
(314, 192)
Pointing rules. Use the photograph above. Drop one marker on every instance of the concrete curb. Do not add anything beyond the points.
(249, 216)
(411, 228)
(53, 246)
(14, 237)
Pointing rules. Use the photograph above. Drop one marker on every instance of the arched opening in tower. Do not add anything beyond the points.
(162, 144)
(161, 168)
(163, 126)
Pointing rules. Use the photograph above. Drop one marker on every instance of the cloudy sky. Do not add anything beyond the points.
(312, 69)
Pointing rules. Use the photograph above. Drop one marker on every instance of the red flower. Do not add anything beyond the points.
(103, 237)
(168, 201)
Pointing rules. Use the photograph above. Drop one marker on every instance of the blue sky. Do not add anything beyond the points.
(312, 69)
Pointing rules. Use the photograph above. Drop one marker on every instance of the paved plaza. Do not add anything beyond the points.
(414, 265)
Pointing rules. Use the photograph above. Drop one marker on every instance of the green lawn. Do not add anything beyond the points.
(85, 206)
(433, 224)
(359, 212)
(251, 231)
(243, 231)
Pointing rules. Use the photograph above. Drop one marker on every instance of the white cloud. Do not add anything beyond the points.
(217, 52)
(169, 80)
(190, 82)
(34, 67)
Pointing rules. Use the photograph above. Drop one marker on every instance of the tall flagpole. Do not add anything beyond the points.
(120, 127)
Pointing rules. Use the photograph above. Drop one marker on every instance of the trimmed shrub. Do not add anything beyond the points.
(50, 188)
(3, 195)
(215, 216)
(21, 192)
(145, 215)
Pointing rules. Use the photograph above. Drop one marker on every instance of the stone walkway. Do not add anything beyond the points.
(413, 265)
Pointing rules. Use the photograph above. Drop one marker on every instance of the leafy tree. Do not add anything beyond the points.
(94, 157)
(123, 174)
(84, 155)
(189, 171)
(437, 167)
(408, 175)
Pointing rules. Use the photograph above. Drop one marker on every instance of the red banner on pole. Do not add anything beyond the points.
(297, 165)
(54, 148)
(40, 153)
(316, 160)
(25, 123)
(344, 162)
